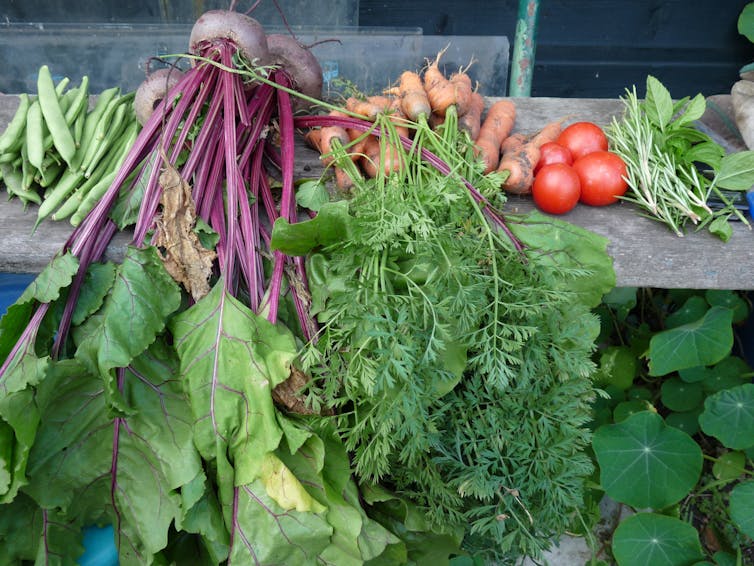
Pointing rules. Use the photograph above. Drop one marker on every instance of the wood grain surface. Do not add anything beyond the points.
(645, 252)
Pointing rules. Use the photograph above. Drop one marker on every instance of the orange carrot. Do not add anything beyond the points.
(462, 84)
(471, 120)
(513, 143)
(373, 160)
(435, 120)
(313, 139)
(496, 127)
(368, 108)
(440, 91)
(548, 133)
(414, 101)
(519, 161)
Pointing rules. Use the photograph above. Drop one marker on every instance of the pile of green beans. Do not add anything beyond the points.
(61, 153)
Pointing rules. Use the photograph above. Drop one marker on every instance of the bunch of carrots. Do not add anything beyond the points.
(426, 100)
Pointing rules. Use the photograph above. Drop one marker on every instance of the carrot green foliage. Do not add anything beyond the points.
(456, 365)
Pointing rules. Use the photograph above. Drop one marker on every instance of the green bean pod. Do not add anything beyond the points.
(69, 180)
(49, 102)
(90, 126)
(116, 128)
(35, 135)
(61, 86)
(13, 136)
(79, 104)
(13, 179)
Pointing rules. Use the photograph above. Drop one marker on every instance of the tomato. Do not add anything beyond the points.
(556, 188)
(602, 175)
(551, 152)
(582, 138)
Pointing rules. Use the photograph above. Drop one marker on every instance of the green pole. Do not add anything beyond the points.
(524, 46)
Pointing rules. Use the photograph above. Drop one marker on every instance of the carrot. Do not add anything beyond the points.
(435, 120)
(471, 120)
(373, 160)
(496, 127)
(440, 91)
(462, 84)
(548, 133)
(313, 139)
(519, 161)
(368, 108)
(414, 101)
(513, 143)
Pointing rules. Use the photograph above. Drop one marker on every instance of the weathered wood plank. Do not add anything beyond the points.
(645, 253)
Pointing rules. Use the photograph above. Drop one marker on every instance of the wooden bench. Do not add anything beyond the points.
(645, 252)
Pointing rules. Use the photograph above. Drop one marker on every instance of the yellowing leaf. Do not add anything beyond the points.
(282, 486)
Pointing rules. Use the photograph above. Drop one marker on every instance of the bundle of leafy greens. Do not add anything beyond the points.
(452, 358)
(415, 391)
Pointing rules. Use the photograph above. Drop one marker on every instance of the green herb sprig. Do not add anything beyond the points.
(666, 157)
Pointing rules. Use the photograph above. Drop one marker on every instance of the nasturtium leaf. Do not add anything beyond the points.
(639, 393)
(687, 421)
(703, 342)
(745, 23)
(658, 103)
(677, 395)
(136, 310)
(618, 366)
(729, 466)
(621, 300)
(741, 505)
(729, 416)
(646, 463)
(723, 558)
(736, 171)
(627, 408)
(730, 299)
(729, 372)
(231, 359)
(331, 225)
(694, 374)
(692, 310)
(648, 538)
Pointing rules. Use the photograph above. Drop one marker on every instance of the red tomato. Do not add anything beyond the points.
(602, 177)
(551, 152)
(582, 138)
(556, 188)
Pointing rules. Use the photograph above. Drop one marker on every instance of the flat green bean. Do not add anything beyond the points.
(68, 182)
(49, 102)
(117, 125)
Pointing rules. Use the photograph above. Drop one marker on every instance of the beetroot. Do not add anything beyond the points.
(223, 26)
(299, 63)
(152, 90)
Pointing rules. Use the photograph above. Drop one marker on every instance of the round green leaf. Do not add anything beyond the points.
(627, 408)
(692, 310)
(647, 538)
(639, 393)
(729, 416)
(729, 466)
(677, 395)
(694, 374)
(618, 367)
(687, 421)
(741, 505)
(700, 343)
(746, 21)
(730, 299)
(729, 372)
(646, 463)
